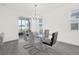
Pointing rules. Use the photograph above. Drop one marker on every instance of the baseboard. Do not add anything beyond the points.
(58, 41)
(69, 43)
(11, 41)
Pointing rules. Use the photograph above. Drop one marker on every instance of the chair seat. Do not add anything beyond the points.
(47, 40)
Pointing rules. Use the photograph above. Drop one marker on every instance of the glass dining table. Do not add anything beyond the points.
(36, 41)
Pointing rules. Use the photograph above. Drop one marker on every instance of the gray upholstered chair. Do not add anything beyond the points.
(49, 43)
(52, 41)
(46, 34)
(1, 39)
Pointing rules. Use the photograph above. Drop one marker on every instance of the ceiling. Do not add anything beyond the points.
(30, 6)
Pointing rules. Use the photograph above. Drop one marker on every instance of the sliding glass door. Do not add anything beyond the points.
(24, 24)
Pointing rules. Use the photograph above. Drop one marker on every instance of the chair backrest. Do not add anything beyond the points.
(1, 37)
(54, 38)
(46, 34)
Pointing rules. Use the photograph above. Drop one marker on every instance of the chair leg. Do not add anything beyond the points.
(44, 49)
(27, 46)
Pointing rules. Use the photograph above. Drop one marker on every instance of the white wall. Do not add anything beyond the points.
(8, 24)
(58, 20)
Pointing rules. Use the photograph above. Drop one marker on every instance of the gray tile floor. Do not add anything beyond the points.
(16, 48)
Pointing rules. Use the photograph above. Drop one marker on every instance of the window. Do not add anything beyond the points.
(24, 24)
(74, 26)
(75, 19)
